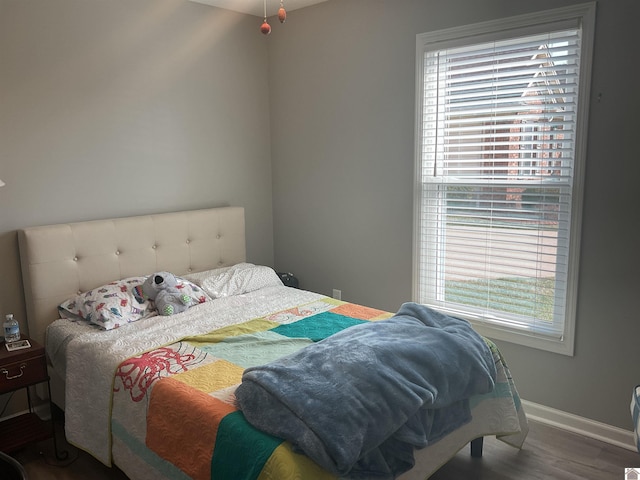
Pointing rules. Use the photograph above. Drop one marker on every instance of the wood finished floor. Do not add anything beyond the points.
(548, 454)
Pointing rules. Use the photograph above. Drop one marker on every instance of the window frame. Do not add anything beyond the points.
(582, 16)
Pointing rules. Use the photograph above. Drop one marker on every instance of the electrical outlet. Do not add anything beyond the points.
(337, 294)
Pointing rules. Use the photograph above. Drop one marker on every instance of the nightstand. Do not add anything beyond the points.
(21, 369)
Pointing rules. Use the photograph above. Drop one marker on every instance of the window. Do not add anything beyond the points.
(500, 149)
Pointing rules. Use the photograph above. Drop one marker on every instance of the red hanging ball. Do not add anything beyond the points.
(282, 14)
(265, 28)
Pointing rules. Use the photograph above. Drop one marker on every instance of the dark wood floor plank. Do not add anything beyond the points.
(548, 454)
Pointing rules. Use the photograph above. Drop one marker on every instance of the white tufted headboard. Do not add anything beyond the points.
(59, 261)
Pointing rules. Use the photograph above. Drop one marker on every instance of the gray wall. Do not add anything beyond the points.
(111, 108)
(170, 103)
(342, 115)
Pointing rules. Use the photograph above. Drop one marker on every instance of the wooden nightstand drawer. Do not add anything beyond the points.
(22, 373)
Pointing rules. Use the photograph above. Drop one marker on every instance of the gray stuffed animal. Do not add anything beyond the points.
(161, 288)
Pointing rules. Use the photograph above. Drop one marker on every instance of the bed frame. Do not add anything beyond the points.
(60, 261)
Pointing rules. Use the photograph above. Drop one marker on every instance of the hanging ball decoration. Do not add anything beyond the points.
(265, 28)
(282, 14)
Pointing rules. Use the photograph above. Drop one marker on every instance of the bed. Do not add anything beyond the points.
(155, 396)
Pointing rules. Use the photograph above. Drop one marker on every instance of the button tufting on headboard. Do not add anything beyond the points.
(106, 250)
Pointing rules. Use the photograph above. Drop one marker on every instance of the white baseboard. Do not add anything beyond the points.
(580, 425)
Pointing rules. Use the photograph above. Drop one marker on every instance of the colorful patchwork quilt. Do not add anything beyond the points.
(182, 395)
(172, 412)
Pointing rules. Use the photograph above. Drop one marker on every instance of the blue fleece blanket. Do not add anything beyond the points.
(360, 401)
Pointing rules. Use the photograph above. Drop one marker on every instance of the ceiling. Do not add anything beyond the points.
(256, 7)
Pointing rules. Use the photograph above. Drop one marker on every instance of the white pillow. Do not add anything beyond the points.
(199, 277)
(239, 279)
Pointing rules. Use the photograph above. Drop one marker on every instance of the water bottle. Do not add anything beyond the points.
(11, 329)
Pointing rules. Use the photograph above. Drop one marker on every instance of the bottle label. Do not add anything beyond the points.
(11, 333)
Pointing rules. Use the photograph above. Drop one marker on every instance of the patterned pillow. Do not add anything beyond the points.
(110, 305)
(120, 302)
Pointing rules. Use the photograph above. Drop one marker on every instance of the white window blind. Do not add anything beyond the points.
(496, 172)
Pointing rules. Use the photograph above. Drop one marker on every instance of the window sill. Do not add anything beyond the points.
(563, 346)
